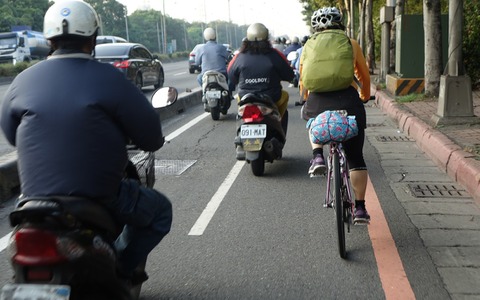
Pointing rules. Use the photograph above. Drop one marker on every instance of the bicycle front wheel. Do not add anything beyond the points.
(339, 212)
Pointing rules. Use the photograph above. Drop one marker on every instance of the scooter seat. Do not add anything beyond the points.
(83, 210)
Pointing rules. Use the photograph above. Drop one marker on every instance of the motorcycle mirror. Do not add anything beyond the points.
(292, 55)
(164, 97)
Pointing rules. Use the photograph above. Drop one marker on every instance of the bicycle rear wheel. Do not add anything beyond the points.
(339, 210)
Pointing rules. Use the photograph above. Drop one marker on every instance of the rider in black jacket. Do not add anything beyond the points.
(70, 118)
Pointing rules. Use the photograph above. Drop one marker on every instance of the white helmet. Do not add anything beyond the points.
(257, 32)
(70, 17)
(326, 17)
(209, 34)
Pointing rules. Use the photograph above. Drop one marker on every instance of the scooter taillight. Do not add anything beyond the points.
(35, 247)
(252, 114)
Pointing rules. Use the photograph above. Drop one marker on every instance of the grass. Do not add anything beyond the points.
(410, 98)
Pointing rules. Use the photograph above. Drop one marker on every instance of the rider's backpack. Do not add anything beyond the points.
(327, 59)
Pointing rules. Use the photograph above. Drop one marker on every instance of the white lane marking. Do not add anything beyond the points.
(171, 136)
(212, 206)
(4, 241)
(178, 74)
(185, 127)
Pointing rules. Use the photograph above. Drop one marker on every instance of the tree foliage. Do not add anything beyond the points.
(25, 12)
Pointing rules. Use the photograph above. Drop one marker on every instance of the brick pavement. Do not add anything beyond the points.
(454, 148)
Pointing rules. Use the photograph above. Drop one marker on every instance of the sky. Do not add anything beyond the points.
(282, 17)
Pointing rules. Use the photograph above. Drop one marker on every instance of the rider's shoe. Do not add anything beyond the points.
(317, 166)
(361, 215)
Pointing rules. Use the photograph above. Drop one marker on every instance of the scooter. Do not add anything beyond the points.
(62, 247)
(261, 135)
(216, 96)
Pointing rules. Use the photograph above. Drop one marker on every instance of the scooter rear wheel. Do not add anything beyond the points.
(258, 165)
(215, 112)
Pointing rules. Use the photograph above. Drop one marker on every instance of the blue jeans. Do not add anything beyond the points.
(148, 218)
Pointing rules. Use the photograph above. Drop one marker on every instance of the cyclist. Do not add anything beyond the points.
(70, 117)
(348, 99)
(213, 56)
(259, 68)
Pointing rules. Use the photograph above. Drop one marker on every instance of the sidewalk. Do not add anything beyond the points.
(454, 148)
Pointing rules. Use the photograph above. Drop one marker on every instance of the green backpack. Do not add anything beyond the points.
(327, 59)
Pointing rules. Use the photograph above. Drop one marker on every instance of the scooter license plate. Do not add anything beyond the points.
(214, 94)
(35, 291)
(253, 131)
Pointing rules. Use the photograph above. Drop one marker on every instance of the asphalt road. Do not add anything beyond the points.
(237, 236)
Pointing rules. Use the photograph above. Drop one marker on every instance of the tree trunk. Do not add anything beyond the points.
(433, 46)
(349, 18)
(361, 33)
(369, 36)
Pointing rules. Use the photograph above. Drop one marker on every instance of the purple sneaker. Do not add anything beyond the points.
(361, 215)
(317, 166)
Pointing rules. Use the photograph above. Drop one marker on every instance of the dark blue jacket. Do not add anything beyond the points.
(70, 117)
(261, 73)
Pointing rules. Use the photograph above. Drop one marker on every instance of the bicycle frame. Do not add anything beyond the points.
(339, 196)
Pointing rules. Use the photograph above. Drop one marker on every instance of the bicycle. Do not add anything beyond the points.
(339, 190)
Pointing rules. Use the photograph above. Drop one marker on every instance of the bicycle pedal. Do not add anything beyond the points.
(312, 175)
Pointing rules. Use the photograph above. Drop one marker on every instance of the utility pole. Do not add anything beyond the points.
(455, 101)
(386, 18)
(164, 30)
(126, 24)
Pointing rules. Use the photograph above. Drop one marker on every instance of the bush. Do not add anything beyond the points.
(10, 70)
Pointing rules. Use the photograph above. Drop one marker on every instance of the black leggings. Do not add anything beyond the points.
(348, 100)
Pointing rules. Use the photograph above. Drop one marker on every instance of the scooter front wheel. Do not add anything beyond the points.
(258, 165)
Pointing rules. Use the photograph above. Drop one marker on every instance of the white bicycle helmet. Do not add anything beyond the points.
(209, 34)
(70, 17)
(257, 32)
(326, 17)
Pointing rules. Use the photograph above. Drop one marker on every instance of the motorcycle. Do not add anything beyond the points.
(261, 135)
(62, 247)
(216, 95)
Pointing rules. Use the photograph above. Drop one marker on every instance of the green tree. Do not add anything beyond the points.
(112, 16)
(25, 12)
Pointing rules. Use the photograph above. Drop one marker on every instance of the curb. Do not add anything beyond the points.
(9, 181)
(460, 165)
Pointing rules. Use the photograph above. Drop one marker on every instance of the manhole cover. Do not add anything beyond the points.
(375, 125)
(172, 167)
(393, 138)
(437, 190)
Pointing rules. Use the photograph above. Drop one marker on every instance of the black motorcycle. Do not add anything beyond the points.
(261, 135)
(63, 247)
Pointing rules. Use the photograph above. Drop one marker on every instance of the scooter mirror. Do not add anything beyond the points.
(164, 97)
(292, 55)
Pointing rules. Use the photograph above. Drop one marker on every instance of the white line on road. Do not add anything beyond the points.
(185, 127)
(212, 206)
(178, 74)
(4, 241)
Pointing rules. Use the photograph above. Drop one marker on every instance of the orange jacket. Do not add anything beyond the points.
(361, 73)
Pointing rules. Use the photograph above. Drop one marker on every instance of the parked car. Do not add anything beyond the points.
(192, 67)
(107, 39)
(135, 61)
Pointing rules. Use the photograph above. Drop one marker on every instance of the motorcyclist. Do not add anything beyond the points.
(213, 56)
(348, 99)
(293, 46)
(277, 44)
(70, 118)
(259, 68)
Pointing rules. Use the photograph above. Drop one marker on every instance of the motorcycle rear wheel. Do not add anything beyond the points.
(215, 112)
(258, 165)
